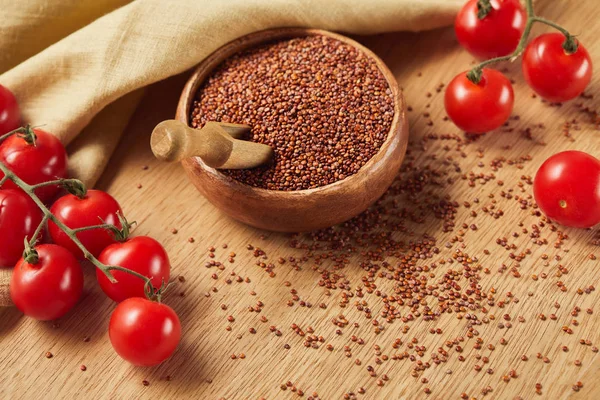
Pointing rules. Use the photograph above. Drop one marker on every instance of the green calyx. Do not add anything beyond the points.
(570, 44)
(74, 187)
(484, 7)
(30, 254)
(154, 294)
(28, 134)
(475, 75)
(122, 234)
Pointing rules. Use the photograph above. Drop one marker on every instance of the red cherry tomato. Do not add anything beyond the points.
(567, 189)
(495, 35)
(553, 73)
(144, 332)
(482, 107)
(10, 116)
(42, 162)
(96, 206)
(19, 218)
(141, 254)
(49, 289)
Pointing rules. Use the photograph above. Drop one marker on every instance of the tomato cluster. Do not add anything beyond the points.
(47, 280)
(555, 65)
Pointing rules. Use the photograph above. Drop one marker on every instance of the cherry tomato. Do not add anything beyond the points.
(567, 189)
(482, 107)
(42, 162)
(144, 332)
(495, 35)
(141, 254)
(10, 116)
(50, 288)
(553, 73)
(96, 206)
(19, 218)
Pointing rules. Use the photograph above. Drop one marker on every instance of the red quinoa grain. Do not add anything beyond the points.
(322, 104)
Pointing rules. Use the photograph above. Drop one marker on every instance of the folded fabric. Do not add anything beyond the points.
(76, 66)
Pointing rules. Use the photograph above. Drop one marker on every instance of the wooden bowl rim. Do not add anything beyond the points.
(247, 41)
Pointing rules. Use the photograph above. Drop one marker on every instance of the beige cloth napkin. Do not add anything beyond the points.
(76, 65)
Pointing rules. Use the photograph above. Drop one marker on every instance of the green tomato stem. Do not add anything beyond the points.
(529, 8)
(58, 182)
(130, 272)
(475, 74)
(90, 228)
(38, 231)
(552, 24)
(13, 132)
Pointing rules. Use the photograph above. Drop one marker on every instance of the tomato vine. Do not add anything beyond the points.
(570, 44)
(77, 188)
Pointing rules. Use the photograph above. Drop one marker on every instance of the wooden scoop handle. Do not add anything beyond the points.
(174, 141)
(216, 143)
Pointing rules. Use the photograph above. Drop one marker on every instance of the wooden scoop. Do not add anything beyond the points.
(217, 144)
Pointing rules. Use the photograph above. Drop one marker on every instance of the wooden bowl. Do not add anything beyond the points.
(301, 210)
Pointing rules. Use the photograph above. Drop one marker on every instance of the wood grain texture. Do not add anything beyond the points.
(167, 200)
(300, 210)
(5, 275)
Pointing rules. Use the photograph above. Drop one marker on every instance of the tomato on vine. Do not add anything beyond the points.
(144, 332)
(479, 107)
(567, 189)
(47, 284)
(490, 28)
(557, 68)
(36, 157)
(10, 116)
(93, 208)
(141, 254)
(19, 218)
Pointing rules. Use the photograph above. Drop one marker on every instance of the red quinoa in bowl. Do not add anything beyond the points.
(323, 105)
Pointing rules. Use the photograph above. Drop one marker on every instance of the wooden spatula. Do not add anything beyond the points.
(217, 144)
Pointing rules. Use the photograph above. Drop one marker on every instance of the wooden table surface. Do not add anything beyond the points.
(203, 368)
